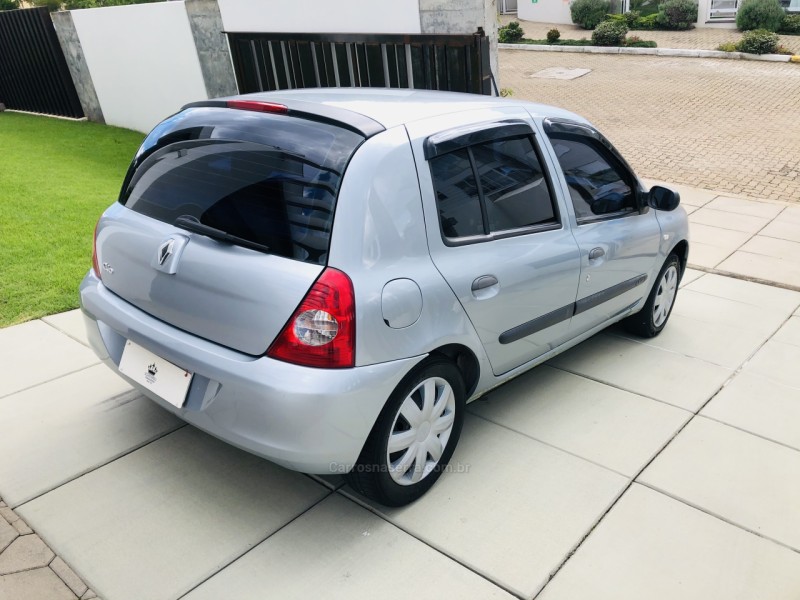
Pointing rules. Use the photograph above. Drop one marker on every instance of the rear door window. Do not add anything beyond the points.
(490, 189)
(271, 180)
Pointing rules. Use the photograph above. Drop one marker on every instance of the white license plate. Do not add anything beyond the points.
(166, 380)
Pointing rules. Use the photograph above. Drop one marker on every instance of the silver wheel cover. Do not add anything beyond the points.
(420, 431)
(665, 295)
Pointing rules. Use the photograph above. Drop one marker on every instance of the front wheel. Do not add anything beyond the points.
(414, 436)
(649, 321)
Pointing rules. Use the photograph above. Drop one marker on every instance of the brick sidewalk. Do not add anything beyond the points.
(726, 125)
(700, 38)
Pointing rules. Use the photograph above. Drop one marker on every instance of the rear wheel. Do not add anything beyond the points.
(649, 321)
(414, 437)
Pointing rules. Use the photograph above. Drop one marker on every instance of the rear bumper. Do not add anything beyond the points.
(310, 420)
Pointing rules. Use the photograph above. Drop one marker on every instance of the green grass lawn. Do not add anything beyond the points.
(56, 178)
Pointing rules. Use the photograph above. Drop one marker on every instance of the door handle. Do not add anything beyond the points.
(596, 253)
(483, 282)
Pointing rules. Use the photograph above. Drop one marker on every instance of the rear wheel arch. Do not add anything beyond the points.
(465, 361)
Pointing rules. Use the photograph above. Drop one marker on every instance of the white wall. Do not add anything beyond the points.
(142, 60)
(321, 16)
(544, 11)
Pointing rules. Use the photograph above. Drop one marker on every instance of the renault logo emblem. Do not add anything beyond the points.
(165, 251)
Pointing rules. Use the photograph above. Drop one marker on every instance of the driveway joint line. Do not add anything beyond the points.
(715, 515)
(753, 433)
(551, 445)
(100, 466)
(257, 544)
(350, 495)
(72, 337)
(749, 278)
(35, 385)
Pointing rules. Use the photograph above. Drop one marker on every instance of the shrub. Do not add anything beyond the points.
(9, 4)
(781, 49)
(760, 14)
(631, 17)
(510, 33)
(506, 92)
(790, 25)
(758, 41)
(677, 14)
(553, 35)
(647, 22)
(609, 33)
(636, 42)
(589, 13)
(727, 47)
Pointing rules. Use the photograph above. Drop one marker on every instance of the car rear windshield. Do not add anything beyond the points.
(269, 180)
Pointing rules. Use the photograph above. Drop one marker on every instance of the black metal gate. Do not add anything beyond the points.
(33, 72)
(279, 61)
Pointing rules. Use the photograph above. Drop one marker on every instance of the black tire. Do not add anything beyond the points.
(372, 476)
(645, 323)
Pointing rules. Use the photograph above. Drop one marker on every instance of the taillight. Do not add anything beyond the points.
(95, 263)
(258, 106)
(322, 331)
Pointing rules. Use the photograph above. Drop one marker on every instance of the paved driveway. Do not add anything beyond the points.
(728, 125)
(623, 469)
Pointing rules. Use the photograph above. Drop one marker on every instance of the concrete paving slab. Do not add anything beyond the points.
(784, 230)
(517, 513)
(759, 405)
(54, 432)
(777, 361)
(740, 477)
(70, 323)
(727, 220)
(653, 372)
(764, 296)
(789, 333)
(763, 267)
(766, 210)
(728, 313)
(651, 546)
(340, 550)
(609, 426)
(39, 584)
(720, 344)
(706, 255)
(34, 352)
(690, 275)
(782, 249)
(157, 522)
(725, 239)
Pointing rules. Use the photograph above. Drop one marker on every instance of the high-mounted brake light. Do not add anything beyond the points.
(322, 331)
(95, 262)
(258, 106)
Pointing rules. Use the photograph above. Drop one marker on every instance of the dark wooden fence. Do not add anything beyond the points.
(33, 72)
(279, 61)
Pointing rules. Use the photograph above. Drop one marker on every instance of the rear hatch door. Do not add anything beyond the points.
(224, 221)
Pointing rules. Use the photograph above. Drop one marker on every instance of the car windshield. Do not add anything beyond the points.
(271, 180)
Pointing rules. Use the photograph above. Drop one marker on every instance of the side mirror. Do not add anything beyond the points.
(662, 198)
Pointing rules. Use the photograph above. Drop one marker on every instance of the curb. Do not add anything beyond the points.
(684, 52)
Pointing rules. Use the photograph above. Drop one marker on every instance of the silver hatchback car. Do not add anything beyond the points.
(326, 277)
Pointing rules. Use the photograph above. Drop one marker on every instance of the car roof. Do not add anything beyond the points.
(392, 107)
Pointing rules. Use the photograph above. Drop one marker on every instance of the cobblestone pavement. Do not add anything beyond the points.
(700, 38)
(29, 569)
(727, 125)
